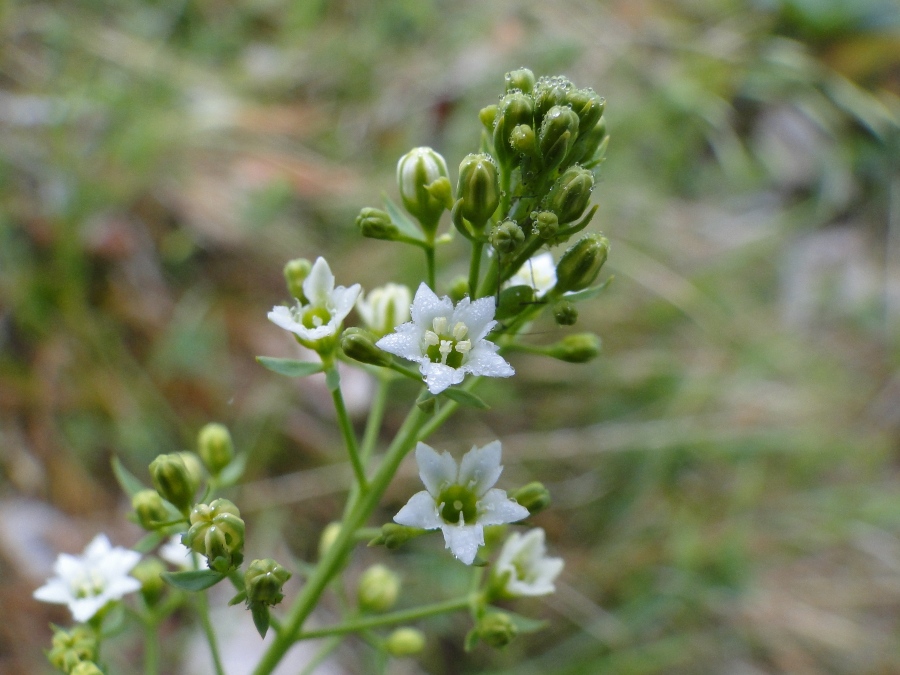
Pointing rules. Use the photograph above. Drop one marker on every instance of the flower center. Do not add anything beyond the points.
(87, 585)
(314, 316)
(447, 347)
(456, 501)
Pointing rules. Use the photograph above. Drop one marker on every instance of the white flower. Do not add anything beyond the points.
(176, 553)
(385, 308)
(539, 272)
(460, 500)
(523, 566)
(448, 342)
(86, 583)
(327, 307)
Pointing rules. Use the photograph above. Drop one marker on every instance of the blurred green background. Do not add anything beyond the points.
(727, 495)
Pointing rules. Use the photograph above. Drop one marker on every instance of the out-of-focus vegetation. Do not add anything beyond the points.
(726, 484)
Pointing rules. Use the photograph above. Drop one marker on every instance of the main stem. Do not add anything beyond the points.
(203, 609)
(348, 434)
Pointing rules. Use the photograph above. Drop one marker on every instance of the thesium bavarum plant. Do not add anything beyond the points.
(521, 204)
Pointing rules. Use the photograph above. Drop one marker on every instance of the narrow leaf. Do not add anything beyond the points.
(260, 614)
(127, 480)
(403, 223)
(149, 542)
(232, 473)
(195, 580)
(588, 293)
(465, 398)
(290, 367)
(525, 624)
(240, 597)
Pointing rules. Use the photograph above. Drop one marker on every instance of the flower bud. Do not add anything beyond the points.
(173, 480)
(149, 508)
(459, 288)
(513, 300)
(295, 272)
(193, 464)
(533, 496)
(507, 237)
(385, 308)
(515, 108)
(588, 142)
(570, 194)
(523, 141)
(69, 648)
(565, 313)
(497, 629)
(581, 264)
(521, 79)
(378, 589)
(578, 348)
(328, 537)
(549, 92)
(263, 581)
(405, 642)
(359, 345)
(376, 224)
(545, 224)
(215, 447)
(217, 532)
(393, 536)
(478, 188)
(86, 668)
(588, 105)
(488, 115)
(417, 170)
(558, 132)
(148, 572)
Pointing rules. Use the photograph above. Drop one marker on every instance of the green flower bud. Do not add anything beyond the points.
(174, 481)
(565, 313)
(405, 642)
(193, 464)
(148, 572)
(378, 589)
(376, 224)
(581, 264)
(86, 668)
(487, 115)
(521, 79)
(478, 188)
(523, 141)
(215, 447)
(549, 92)
(588, 142)
(507, 237)
(513, 300)
(515, 108)
(533, 496)
(558, 133)
(217, 532)
(459, 288)
(570, 194)
(264, 580)
(328, 537)
(588, 105)
(578, 348)
(295, 271)
(418, 170)
(545, 224)
(497, 629)
(68, 649)
(393, 536)
(359, 345)
(149, 508)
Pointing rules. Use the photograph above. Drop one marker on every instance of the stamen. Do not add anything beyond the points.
(440, 325)
(431, 338)
(464, 347)
(445, 349)
(460, 330)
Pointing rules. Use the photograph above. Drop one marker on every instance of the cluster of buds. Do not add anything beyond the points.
(217, 532)
(70, 649)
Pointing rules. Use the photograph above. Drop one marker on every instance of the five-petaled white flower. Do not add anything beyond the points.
(327, 307)
(523, 568)
(538, 272)
(460, 500)
(87, 582)
(448, 342)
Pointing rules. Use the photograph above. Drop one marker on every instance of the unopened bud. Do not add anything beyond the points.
(174, 481)
(588, 105)
(217, 532)
(488, 115)
(150, 510)
(533, 496)
(69, 648)
(523, 141)
(497, 629)
(378, 589)
(328, 537)
(148, 572)
(393, 536)
(578, 348)
(263, 581)
(570, 194)
(565, 313)
(549, 92)
(359, 345)
(558, 132)
(376, 224)
(384, 308)
(507, 237)
(418, 170)
(405, 642)
(545, 224)
(581, 264)
(513, 300)
(215, 447)
(515, 108)
(86, 668)
(521, 79)
(193, 464)
(478, 188)
(459, 288)
(295, 272)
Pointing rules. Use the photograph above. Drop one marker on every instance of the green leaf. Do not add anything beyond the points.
(232, 473)
(471, 640)
(465, 398)
(588, 293)
(149, 542)
(523, 623)
(404, 224)
(195, 580)
(240, 597)
(290, 367)
(260, 614)
(127, 480)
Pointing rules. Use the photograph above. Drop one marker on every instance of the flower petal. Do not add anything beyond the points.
(478, 316)
(480, 468)
(464, 540)
(439, 376)
(495, 508)
(84, 608)
(318, 285)
(405, 343)
(343, 300)
(427, 306)
(437, 471)
(282, 317)
(483, 360)
(420, 511)
(55, 590)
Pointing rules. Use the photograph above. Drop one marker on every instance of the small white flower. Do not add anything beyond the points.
(539, 272)
(385, 308)
(523, 566)
(179, 555)
(327, 308)
(87, 582)
(460, 500)
(448, 342)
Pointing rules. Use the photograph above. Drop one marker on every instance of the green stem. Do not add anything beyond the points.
(429, 262)
(151, 647)
(347, 430)
(403, 616)
(376, 416)
(475, 267)
(203, 611)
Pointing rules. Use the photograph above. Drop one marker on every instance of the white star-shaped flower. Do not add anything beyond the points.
(87, 582)
(538, 272)
(460, 500)
(327, 308)
(523, 568)
(447, 341)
